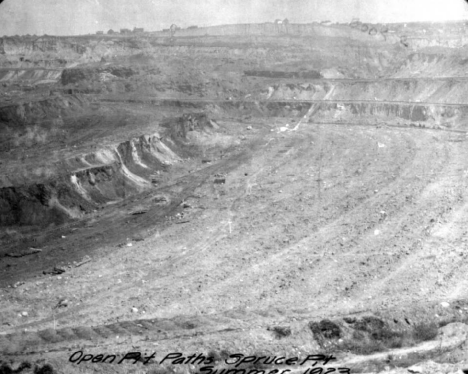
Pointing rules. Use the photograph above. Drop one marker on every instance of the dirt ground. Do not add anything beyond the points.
(270, 219)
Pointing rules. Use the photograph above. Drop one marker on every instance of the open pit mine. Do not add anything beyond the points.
(260, 198)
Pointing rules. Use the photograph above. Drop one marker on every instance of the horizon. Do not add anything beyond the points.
(22, 17)
(117, 30)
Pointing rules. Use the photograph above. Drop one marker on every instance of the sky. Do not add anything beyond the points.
(74, 17)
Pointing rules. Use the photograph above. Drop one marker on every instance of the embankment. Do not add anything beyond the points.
(81, 184)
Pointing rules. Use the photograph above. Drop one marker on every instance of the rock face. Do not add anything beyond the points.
(99, 177)
(23, 113)
(75, 75)
(40, 204)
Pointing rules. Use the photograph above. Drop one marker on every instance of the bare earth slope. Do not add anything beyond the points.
(234, 192)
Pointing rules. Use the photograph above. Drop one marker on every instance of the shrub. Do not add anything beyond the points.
(325, 329)
(281, 331)
(372, 335)
(370, 324)
(46, 369)
(425, 331)
(5, 369)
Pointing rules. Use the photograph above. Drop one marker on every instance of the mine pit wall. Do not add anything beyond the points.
(95, 179)
(145, 155)
(454, 41)
(37, 121)
(75, 75)
(55, 52)
(103, 184)
(427, 116)
(35, 62)
(24, 113)
(405, 114)
(449, 91)
(117, 173)
(65, 52)
(43, 44)
(51, 202)
(112, 175)
(425, 64)
(437, 116)
(30, 75)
